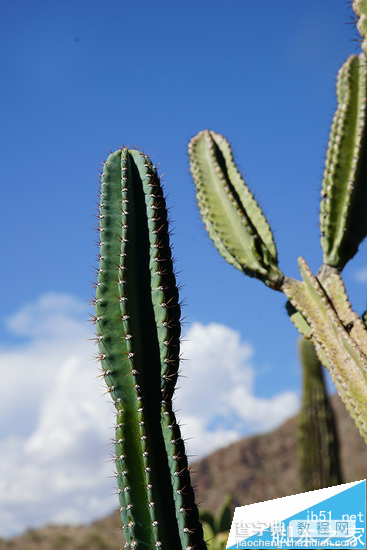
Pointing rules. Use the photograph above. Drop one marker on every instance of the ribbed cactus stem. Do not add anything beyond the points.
(344, 194)
(234, 220)
(318, 446)
(138, 331)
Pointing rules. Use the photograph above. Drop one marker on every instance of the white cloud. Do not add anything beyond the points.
(216, 401)
(54, 424)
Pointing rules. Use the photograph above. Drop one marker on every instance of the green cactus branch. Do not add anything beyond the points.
(318, 306)
(343, 221)
(138, 332)
(233, 218)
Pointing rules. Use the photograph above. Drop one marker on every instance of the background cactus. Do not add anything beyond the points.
(216, 528)
(319, 306)
(138, 333)
(318, 446)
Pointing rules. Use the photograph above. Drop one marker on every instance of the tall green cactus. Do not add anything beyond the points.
(318, 445)
(138, 332)
(318, 306)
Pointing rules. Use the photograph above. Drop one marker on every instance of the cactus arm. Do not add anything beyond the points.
(334, 287)
(137, 320)
(344, 193)
(360, 8)
(317, 440)
(233, 219)
(346, 362)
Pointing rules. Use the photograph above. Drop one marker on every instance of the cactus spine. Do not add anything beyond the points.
(318, 447)
(138, 332)
(318, 306)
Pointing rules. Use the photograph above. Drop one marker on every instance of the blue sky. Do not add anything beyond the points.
(80, 79)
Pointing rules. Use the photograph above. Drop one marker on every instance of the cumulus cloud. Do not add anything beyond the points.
(216, 401)
(55, 424)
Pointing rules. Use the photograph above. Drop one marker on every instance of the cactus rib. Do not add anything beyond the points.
(138, 328)
(233, 218)
(344, 193)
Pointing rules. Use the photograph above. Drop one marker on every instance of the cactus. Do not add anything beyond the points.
(344, 193)
(216, 529)
(137, 317)
(318, 306)
(233, 219)
(318, 446)
(216, 541)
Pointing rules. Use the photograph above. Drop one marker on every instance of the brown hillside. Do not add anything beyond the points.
(257, 468)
